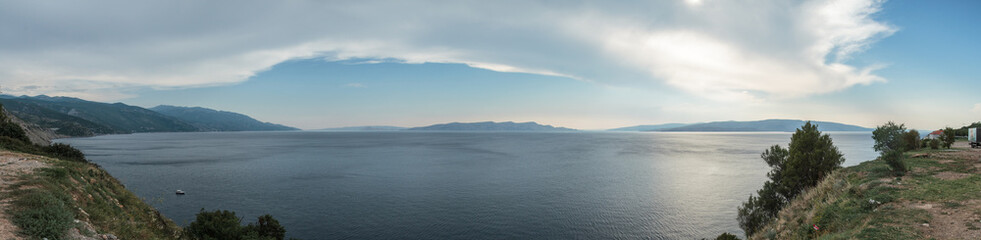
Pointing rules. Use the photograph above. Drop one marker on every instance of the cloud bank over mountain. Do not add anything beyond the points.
(722, 50)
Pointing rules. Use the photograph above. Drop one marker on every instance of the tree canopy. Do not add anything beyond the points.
(810, 156)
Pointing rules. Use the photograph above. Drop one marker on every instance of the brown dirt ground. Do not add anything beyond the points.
(956, 222)
(13, 165)
(948, 175)
(951, 223)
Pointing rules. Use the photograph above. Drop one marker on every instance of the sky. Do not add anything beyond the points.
(578, 64)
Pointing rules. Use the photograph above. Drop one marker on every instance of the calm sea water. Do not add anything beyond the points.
(455, 185)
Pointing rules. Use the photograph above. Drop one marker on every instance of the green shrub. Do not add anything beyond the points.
(10, 129)
(890, 141)
(809, 158)
(911, 140)
(41, 214)
(267, 226)
(214, 225)
(934, 144)
(64, 151)
(727, 236)
(895, 161)
(223, 224)
(947, 138)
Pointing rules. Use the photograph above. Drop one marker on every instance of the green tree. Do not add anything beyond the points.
(963, 130)
(890, 142)
(219, 224)
(947, 138)
(223, 224)
(934, 143)
(911, 140)
(726, 236)
(810, 156)
(888, 137)
(267, 227)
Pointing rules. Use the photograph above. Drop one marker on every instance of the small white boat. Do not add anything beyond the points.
(179, 192)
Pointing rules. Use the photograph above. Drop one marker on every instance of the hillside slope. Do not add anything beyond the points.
(939, 198)
(79, 191)
(213, 120)
(60, 195)
(77, 117)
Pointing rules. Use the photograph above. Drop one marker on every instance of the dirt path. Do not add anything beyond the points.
(954, 219)
(12, 165)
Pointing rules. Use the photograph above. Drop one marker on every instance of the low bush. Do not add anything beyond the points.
(64, 151)
(223, 224)
(726, 236)
(895, 161)
(911, 140)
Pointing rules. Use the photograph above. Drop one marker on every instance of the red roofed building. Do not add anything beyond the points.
(934, 134)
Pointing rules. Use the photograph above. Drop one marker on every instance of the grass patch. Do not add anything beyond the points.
(934, 189)
(42, 214)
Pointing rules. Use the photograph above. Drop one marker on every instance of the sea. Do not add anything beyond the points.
(455, 185)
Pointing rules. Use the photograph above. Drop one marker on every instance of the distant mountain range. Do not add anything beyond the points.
(67, 116)
(76, 117)
(363, 128)
(491, 126)
(646, 128)
(769, 125)
(206, 119)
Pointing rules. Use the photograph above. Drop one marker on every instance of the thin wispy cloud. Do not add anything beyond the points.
(354, 85)
(720, 50)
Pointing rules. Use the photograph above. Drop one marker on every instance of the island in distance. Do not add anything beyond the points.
(648, 128)
(769, 125)
(362, 128)
(492, 126)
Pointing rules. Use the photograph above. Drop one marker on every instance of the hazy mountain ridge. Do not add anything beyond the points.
(363, 128)
(207, 119)
(769, 125)
(77, 117)
(655, 127)
(492, 126)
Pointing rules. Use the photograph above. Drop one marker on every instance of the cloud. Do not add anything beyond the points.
(977, 108)
(715, 49)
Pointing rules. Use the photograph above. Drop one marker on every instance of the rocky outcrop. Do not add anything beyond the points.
(37, 134)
